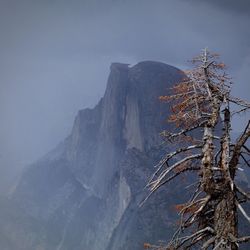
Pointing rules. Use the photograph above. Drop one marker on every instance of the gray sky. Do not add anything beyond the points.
(55, 57)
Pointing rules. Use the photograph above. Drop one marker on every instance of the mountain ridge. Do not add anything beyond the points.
(83, 193)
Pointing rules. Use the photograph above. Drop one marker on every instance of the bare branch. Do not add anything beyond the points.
(239, 111)
(182, 132)
(196, 240)
(243, 239)
(239, 102)
(216, 137)
(246, 148)
(178, 95)
(178, 173)
(238, 146)
(206, 200)
(186, 208)
(207, 230)
(244, 159)
(246, 195)
(216, 156)
(171, 155)
(243, 212)
(208, 243)
(196, 193)
(219, 244)
(155, 184)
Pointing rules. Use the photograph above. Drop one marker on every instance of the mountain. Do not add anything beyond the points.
(85, 194)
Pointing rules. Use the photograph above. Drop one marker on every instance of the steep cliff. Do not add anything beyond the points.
(85, 193)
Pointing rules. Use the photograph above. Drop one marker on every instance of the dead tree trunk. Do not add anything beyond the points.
(198, 102)
(225, 221)
(225, 214)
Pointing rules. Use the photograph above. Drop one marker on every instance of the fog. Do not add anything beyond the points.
(55, 58)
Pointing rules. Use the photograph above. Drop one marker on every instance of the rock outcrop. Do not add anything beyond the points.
(85, 193)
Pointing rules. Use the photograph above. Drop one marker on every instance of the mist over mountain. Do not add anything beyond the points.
(84, 194)
(55, 55)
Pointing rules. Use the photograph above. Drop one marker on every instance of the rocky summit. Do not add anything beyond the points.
(85, 194)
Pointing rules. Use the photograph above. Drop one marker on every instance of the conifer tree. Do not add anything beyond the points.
(202, 111)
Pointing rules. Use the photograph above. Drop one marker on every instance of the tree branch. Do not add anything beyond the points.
(206, 200)
(220, 243)
(184, 131)
(237, 148)
(208, 243)
(243, 212)
(248, 164)
(178, 173)
(243, 239)
(246, 148)
(199, 233)
(155, 184)
(239, 111)
(243, 192)
(169, 156)
(239, 102)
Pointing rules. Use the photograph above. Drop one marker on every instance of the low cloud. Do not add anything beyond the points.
(55, 57)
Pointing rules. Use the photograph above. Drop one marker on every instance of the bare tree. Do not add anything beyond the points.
(203, 102)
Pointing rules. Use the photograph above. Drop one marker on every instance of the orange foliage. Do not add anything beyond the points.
(190, 97)
(146, 246)
(179, 207)
(186, 208)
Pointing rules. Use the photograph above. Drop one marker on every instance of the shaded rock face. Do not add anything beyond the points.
(85, 193)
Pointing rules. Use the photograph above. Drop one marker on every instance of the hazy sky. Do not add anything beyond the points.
(55, 57)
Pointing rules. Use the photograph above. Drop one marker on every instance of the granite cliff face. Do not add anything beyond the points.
(85, 193)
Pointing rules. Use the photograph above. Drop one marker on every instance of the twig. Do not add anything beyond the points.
(200, 232)
(208, 243)
(239, 111)
(169, 156)
(243, 212)
(243, 239)
(246, 148)
(155, 184)
(243, 192)
(248, 164)
(184, 131)
(220, 243)
(206, 200)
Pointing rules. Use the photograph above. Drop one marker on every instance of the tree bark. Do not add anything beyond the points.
(225, 221)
